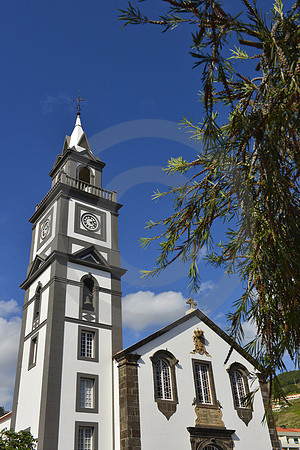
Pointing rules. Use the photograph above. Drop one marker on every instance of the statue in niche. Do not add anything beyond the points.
(199, 343)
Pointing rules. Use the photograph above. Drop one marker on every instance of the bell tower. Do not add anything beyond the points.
(71, 322)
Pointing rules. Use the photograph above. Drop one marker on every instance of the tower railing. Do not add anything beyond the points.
(81, 185)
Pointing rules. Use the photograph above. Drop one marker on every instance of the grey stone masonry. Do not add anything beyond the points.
(130, 433)
(269, 416)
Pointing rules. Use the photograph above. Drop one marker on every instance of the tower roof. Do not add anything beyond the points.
(76, 133)
(78, 139)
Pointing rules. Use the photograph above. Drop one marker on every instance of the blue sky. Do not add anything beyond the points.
(138, 84)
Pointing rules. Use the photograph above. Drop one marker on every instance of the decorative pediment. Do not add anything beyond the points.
(83, 142)
(38, 261)
(92, 255)
(66, 144)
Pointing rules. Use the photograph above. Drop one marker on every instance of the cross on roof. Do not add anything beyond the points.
(192, 304)
(79, 100)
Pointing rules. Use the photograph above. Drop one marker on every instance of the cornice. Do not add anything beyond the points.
(60, 189)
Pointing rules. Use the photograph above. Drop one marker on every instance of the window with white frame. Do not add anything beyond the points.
(87, 393)
(239, 391)
(163, 380)
(87, 344)
(86, 436)
(202, 383)
(88, 340)
(238, 375)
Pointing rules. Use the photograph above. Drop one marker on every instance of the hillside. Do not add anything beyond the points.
(290, 382)
(289, 416)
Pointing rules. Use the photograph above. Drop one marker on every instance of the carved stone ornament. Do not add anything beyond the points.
(208, 417)
(199, 343)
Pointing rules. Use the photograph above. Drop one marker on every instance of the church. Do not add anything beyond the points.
(184, 387)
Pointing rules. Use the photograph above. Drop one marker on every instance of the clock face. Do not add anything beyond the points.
(45, 229)
(90, 222)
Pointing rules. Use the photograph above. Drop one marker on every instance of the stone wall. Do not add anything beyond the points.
(130, 433)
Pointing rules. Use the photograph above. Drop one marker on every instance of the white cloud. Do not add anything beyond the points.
(50, 103)
(9, 338)
(207, 286)
(7, 308)
(145, 308)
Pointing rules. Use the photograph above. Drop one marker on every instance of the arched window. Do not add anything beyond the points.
(240, 391)
(37, 307)
(88, 303)
(84, 174)
(89, 299)
(164, 377)
(163, 380)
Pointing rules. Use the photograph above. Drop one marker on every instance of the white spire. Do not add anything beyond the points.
(76, 134)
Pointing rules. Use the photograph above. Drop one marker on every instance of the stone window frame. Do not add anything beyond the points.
(33, 349)
(95, 379)
(245, 413)
(166, 407)
(37, 306)
(214, 402)
(96, 290)
(95, 331)
(94, 426)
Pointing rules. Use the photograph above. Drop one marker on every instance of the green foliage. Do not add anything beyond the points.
(247, 170)
(289, 415)
(290, 382)
(10, 440)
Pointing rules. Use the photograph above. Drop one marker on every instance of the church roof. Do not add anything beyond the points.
(203, 318)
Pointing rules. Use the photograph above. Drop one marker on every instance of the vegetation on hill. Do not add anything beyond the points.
(288, 416)
(290, 382)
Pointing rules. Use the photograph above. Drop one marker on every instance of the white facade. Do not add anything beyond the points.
(157, 431)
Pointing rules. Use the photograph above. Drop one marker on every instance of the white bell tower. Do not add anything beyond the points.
(72, 322)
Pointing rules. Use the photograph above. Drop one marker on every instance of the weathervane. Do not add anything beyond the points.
(79, 100)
